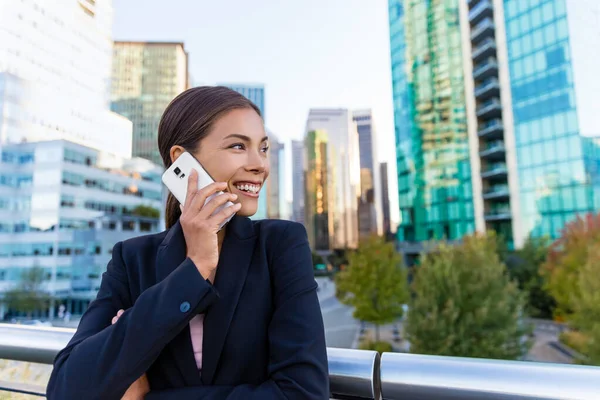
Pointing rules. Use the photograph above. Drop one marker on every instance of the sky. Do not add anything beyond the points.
(308, 54)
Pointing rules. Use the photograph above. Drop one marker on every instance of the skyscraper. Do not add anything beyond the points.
(146, 76)
(55, 62)
(521, 131)
(256, 94)
(275, 183)
(370, 190)
(318, 215)
(385, 199)
(298, 188)
(344, 172)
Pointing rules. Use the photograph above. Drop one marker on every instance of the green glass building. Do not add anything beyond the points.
(434, 173)
(494, 116)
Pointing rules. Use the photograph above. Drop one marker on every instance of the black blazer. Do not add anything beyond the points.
(263, 329)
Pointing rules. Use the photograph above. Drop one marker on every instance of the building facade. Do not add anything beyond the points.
(385, 199)
(62, 208)
(369, 209)
(146, 76)
(318, 201)
(55, 65)
(344, 172)
(298, 188)
(532, 132)
(434, 174)
(276, 183)
(256, 94)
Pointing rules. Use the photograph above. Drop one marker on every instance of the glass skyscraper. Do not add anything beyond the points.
(434, 174)
(521, 130)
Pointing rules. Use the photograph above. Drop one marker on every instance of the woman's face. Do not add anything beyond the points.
(235, 151)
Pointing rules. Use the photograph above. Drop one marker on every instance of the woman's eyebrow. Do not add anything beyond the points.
(243, 137)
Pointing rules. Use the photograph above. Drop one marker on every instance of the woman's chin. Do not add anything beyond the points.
(247, 210)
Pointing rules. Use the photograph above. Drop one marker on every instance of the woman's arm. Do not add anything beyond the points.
(102, 360)
(298, 355)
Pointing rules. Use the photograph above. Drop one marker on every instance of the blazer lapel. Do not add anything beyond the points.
(171, 253)
(235, 259)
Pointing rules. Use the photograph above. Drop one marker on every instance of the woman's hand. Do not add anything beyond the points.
(200, 227)
(139, 388)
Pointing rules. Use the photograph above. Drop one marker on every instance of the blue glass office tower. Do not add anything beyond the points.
(532, 118)
(256, 94)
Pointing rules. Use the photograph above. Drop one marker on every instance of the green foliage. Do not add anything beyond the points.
(586, 304)
(524, 267)
(146, 211)
(465, 304)
(565, 259)
(28, 296)
(374, 283)
(380, 347)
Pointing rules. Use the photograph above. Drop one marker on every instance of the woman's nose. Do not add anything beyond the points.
(257, 162)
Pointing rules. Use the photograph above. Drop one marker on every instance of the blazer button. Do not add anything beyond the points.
(184, 307)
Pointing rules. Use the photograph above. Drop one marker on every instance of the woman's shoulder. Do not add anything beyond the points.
(143, 244)
(280, 228)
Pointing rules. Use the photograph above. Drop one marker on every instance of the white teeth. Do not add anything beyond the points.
(249, 188)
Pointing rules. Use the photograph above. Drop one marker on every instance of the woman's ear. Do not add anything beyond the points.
(175, 152)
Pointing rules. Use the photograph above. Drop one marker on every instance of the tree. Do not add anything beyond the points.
(465, 305)
(145, 211)
(28, 295)
(566, 257)
(374, 283)
(524, 267)
(586, 304)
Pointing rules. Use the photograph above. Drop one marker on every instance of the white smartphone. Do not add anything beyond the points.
(176, 176)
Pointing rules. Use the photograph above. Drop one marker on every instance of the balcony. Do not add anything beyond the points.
(487, 48)
(497, 192)
(498, 214)
(362, 374)
(492, 129)
(494, 151)
(496, 171)
(486, 69)
(482, 30)
(490, 109)
(480, 11)
(488, 88)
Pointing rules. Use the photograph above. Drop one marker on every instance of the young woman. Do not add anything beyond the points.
(198, 313)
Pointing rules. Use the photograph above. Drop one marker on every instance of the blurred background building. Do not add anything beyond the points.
(385, 200)
(275, 191)
(343, 163)
(298, 185)
(318, 199)
(62, 208)
(146, 76)
(493, 106)
(55, 65)
(369, 210)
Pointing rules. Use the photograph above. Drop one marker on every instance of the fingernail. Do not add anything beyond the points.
(235, 196)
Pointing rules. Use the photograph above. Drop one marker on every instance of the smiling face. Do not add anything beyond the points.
(236, 151)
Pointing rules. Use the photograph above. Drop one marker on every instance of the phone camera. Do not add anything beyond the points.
(177, 171)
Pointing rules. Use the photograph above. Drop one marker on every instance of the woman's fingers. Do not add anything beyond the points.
(116, 317)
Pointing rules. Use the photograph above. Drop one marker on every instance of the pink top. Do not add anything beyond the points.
(197, 334)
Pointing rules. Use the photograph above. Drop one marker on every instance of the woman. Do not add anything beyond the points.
(198, 313)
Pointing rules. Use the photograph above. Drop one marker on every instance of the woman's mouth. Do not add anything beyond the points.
(250, 189)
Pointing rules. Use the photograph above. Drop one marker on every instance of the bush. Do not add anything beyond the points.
(380, 347)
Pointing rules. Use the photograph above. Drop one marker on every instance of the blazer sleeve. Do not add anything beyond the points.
(102, 360)
(298, 354)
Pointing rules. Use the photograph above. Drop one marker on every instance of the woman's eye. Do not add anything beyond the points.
(237, 146)
(265, 149)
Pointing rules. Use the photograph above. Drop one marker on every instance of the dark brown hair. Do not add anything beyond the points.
(187, 120)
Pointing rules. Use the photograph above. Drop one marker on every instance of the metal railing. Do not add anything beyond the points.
(361, 374)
